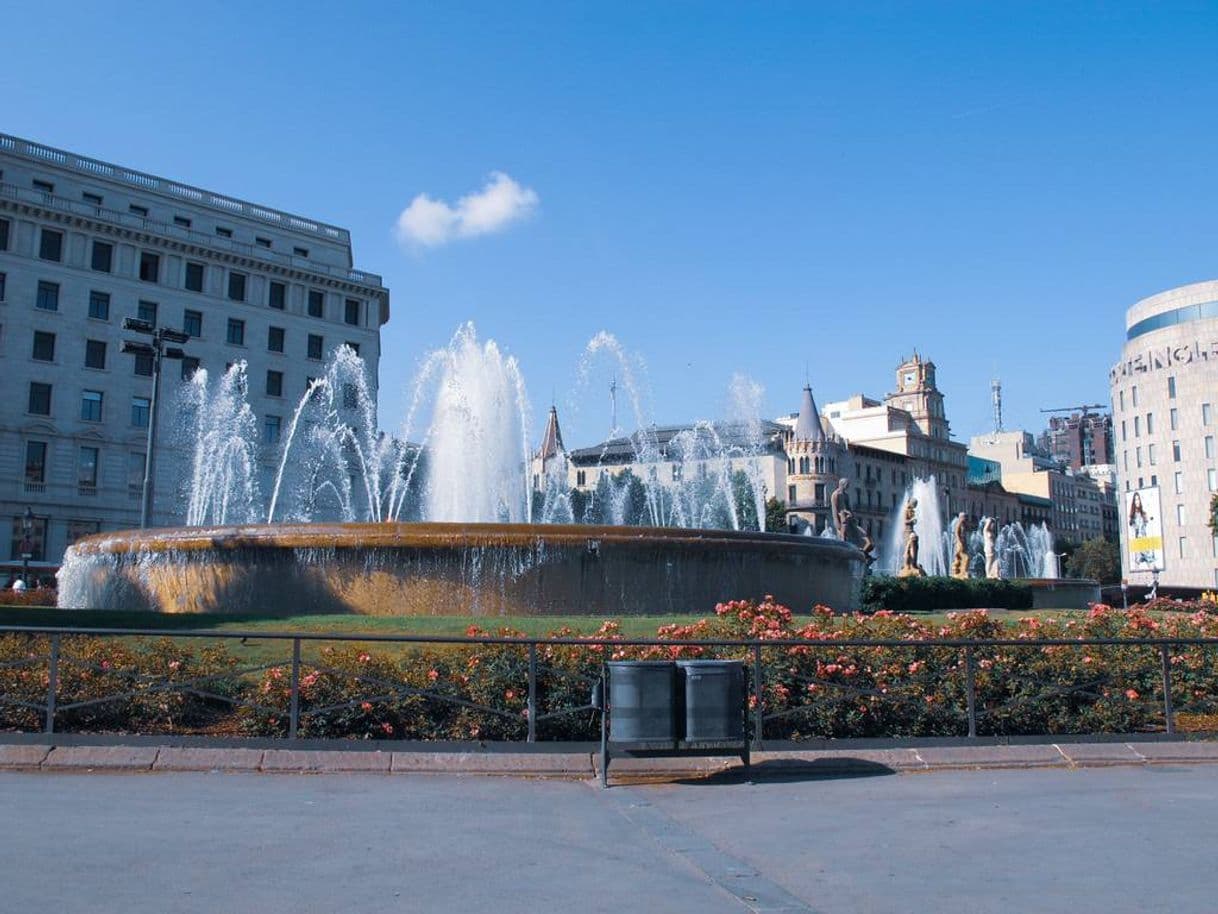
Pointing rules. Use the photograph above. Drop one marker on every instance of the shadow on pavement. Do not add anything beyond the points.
(786, 771)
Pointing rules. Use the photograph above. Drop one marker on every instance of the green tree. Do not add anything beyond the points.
(1098, 559)
(776, 516)
(1214, 514)
(746, 507)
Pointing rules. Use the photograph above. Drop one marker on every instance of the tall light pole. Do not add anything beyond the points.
(27, 543)
(156, 350)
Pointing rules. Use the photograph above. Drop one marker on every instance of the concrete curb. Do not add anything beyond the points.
(586, 765)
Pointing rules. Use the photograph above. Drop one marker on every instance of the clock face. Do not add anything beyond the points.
(909, 377)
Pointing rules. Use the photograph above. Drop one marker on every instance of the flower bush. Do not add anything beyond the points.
(819, 680)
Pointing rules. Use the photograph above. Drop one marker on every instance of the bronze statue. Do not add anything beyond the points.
(839, 501)
(960, 558)
(989, 537)
(856, 535)
(909, 563)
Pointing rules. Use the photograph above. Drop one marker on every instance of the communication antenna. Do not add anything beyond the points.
(996, 395)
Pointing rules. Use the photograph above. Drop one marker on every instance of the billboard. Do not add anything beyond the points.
(1144, 529)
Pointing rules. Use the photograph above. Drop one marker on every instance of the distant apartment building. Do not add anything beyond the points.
(1079, 440)
(85, 244)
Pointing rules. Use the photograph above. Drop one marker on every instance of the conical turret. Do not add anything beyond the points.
(807, 426)
(551, 440)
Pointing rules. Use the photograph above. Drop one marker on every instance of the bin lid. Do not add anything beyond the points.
(710, 664)
(641, 664)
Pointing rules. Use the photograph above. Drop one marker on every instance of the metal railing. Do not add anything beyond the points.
(961, 670)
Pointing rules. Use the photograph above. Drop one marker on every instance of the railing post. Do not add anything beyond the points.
(1169, 716)
(758, 711)
(533, 692)
(970, 679)
(294, 712)
(52, 683)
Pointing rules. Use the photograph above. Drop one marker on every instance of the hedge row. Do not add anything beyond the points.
(904, 595)
(480, 692)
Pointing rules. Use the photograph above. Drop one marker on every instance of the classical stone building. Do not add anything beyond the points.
(85, 244)
(1164, 399)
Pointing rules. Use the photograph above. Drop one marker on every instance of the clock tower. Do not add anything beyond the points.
(917, 394)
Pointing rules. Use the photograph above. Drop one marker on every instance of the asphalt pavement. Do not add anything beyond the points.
(1103, 839)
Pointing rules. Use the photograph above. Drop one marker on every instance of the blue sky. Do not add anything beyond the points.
(769, 189)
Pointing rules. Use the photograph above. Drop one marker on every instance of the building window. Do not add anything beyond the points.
(236, 286)
(40, 399)
(1175, 451)
(791, 495)
(86, 468)
(274, 383)
(3, 234)
(150, 267)
(1137, 426)
(300, 252)
(3, 283)
(262, 242)
(1150, 423)
(236, 332)
(351, 312)
(1174, 418)
(48, 296)
(189, 366)
(37, 543)
(223, 232)
(270, 429)
(136, 210)
(45, 186)
(102, 257)
(1171, 388)
(1209, 447)
(278, 296)
(354, 347)
(317, 300)
(1205, 408)
(192, 323)
(79, 529)
(316, 343)
(1184, 547)
(274, 339)
(135, 472)
(140, 410)
(93, 199)
(143, 365)
(36, 462)
(146, 311)
(91, 406)
(44, 346)
(1150, 454)
(1211, 478)
(99, 305)
(50, 245)
(181, 222)
(95, 354)
(194, 277)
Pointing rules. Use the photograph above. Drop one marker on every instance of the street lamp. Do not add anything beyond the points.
(27, 544)
(156, 350)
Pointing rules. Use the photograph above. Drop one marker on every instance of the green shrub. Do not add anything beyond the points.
(930, 594)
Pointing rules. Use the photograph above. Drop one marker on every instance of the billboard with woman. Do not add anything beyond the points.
(1144, 529)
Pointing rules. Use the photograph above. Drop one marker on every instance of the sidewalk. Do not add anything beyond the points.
(585, 765)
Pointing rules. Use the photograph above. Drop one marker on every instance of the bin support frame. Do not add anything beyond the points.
(679, 748)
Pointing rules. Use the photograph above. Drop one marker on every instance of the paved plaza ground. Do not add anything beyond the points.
(1042, 840)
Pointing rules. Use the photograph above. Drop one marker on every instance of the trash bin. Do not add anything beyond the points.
(642, 701)
(714, 699)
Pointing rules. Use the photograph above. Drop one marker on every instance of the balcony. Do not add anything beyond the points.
(88, 491)
(35, 488)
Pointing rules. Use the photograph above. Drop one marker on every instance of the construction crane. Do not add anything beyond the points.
(1082, 409)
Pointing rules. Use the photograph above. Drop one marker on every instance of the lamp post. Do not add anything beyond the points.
(156, 350)
(27, 544)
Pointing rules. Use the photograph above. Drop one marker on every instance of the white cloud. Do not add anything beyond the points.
(430, 223)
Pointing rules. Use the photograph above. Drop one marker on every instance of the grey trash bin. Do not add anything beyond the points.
(714, 699)
(642, 700)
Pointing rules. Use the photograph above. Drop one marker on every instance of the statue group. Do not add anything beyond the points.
(845, 523)
(909, 561)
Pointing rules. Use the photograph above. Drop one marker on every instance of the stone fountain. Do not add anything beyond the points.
(343, 519)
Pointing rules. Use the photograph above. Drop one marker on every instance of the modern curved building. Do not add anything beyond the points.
(1164, 397)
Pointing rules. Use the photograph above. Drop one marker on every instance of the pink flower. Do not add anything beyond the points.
(1131, 694)
(364, 658)
(175, 664)
(433, 675)
(365, 706)
(388, 728)
(510, 695)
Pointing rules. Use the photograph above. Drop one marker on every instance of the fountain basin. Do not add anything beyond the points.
(413, 569)
(1062, 593)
